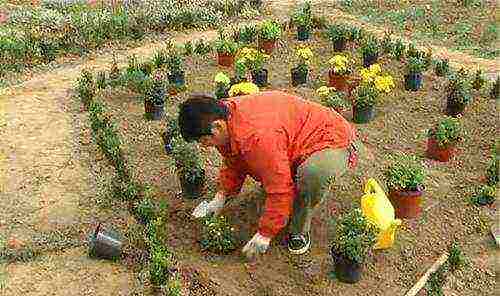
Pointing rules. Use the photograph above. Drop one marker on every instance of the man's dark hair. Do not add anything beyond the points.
(196, 115)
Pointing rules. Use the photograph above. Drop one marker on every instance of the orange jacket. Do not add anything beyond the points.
(270, 134)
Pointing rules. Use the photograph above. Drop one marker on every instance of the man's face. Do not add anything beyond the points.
(219, 135)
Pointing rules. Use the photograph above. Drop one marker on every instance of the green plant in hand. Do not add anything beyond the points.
(217, 235)
(448, 132)
(405, 173)
(270, 30)
(354, 236)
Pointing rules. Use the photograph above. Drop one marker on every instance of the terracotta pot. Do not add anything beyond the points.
(267, 45)
(338, 81)
(407, 204)
(225, 60)
(434, 151)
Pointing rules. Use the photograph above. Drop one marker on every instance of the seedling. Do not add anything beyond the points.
(218, 235)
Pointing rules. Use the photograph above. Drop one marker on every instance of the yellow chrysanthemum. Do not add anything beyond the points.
(244, 88)
(324, 91)
(339, 64)
(367, 75)
(375, 69)
(384, 83)
(305, 53)
(221, 77)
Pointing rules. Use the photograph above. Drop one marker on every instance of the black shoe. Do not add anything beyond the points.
(298, 244)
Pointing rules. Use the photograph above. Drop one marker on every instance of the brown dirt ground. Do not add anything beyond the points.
(51, 181)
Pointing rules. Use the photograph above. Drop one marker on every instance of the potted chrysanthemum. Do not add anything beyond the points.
(222, 84)
(442, 139)
(340, 69)
(299, 73)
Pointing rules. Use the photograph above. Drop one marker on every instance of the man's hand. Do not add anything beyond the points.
(256, 246)
(206, 208)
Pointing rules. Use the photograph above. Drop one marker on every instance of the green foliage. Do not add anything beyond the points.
(302, 17)
(188, 48)
(86, 87)
(160, 264)
(441, 67)
(145, 210)
(247, 33)
(217, 235)
(202, 48)
(459, 87)
(398, 49)
(479, 80)
(456, 258)
(354, 236)
(225, 45)
(174, 61)
(369, 46)
(154, 89)
(188, 159)
(405, 173)
(447, 132)
(356, 33)
(320, 22)
(492, 171)
(434, 286)
(101, 80)
(338, 32)
(270, 30)
(484, 195)
(415, 65)
(173, 286)
(335, 100)
(365, 95)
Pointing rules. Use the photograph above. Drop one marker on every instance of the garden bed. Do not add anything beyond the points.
(400, 125)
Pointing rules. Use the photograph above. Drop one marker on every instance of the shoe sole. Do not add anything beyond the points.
(302, 250)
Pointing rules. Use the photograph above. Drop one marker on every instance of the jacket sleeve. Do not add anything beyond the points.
(266, 156)
(231, 177)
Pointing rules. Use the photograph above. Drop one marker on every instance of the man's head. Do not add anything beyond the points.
(203, 119)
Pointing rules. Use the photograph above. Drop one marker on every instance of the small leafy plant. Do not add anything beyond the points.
(398, 49)
(145, 210)
(484, 195)
(302, 17)
(459, 88)
(354, 236)
(247, 33)
(416, 65)
(218, 235)
(154, 89)
(365, 96)
(456, 258)
(86, 87)
(492, 170)
(224, 45)
(406, 173)
(332, 99)
(160, 264)
(202, 48)
(447, 132)
(441, 67)
(253, 59)
(174, 61)
(338, 33)
(222, 84)
(270, 30)
(479, 80)
(369, 46)
(188, 160)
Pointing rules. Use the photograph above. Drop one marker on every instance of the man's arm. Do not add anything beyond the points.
(231, 177)
(266, 155)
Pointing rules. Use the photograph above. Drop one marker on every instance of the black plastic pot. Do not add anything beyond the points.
(369, 60)
(346, 270)
(192, 189)
(363, 115)
(158, 111)
(413, 81)
(303, 33)
(176, 78)
(299, 77)
(339, 45)
(454, 108)
(260, 78)
(105, 244)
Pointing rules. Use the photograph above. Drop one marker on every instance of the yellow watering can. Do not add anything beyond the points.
(377, 208)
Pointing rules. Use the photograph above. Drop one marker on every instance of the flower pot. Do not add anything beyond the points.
(413, 81)
(339, 45)
(148, 109)
(225, 60)
(166, 139)
(407, 204)
(363, 115)
(303, 33)
(299, 77)
(267, 45)
(454, 108)
(105, 244)
(369, 60)
(434, 151)
(176, 78)
(345, 269)
(192, 189)
(158, 111)
(338, 81)
(260, 77)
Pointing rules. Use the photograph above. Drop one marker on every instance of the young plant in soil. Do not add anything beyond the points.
(269, 32)
(456, 258)
(175, 66)
(441, 67)
(222, 85)
(365, 97)
(492, 170)
(404, 178)
(434, 286)
(159, 265)
(495, 89)
(338, 35)
(479, 80)
(443, 138)
(226, 49)
(398, 50)
(333, 99)
(413, 78)
(340, 70)
(354, 238)
(101, 80)
(299, 73)
(86, 87)
(189, 167)
(484, 195)
(188, 48)
(302, 18)
(154, 96)
(370, 50)
(458, 91)
(218, 235)
(145, 210)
